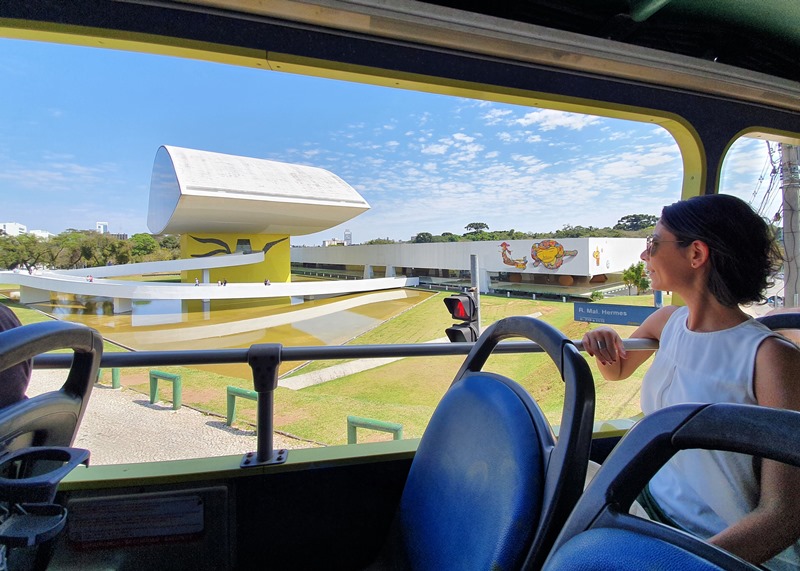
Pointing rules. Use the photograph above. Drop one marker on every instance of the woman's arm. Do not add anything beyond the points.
(605, 344)
(775, 523)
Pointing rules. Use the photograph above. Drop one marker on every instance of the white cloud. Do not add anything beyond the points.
(548, 120)
(495, 116)
(435, 149)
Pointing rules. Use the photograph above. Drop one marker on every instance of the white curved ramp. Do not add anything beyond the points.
(37, 288)
(171, 266)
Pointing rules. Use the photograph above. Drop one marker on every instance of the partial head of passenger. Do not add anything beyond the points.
(14, 380)
(743, 253)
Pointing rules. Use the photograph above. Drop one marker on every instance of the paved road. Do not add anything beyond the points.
(121, 426)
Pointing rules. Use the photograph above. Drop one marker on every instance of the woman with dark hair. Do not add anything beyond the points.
(14, 380)
(716, 253)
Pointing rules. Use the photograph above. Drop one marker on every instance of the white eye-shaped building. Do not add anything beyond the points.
(213, 193)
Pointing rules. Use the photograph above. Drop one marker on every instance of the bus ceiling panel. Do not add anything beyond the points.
(463, 30)
(362, 33)
(759, 36)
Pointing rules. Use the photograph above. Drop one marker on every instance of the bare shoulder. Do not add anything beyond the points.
(778, 351)
(652, 327)
(775, 379)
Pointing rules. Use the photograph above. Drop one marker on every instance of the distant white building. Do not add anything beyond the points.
(348, 238)
(13, 229)
(547, 262)
(333, 242)
(102, 227)
(43, 234)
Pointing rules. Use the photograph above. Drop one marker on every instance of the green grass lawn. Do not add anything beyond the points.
(405, 391)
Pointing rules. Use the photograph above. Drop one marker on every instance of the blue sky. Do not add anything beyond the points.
(80, 127)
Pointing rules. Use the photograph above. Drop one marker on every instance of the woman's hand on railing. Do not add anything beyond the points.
(605, 344)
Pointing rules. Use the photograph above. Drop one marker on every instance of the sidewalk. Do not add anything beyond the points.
(304, 380)
(121, 426)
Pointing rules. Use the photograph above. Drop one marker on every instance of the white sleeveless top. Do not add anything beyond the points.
(707, 491)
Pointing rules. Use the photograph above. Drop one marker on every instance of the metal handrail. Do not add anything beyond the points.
(309, 353)
(265, 359)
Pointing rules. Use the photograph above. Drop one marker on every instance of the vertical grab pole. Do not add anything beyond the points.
(265, 359)
(475, 285)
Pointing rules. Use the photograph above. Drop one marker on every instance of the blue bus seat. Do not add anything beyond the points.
(776, 321)
(490, 486)
(600, 534)
(49, 419)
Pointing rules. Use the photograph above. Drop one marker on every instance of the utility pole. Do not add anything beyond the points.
(475, 283)
(790, 187)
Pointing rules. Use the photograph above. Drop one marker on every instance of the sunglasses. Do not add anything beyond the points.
(653, 242)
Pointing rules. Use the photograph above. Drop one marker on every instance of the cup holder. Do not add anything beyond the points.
(29, 480)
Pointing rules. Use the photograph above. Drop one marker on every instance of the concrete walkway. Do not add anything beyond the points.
(350, 368)
(304, 380)
(121, 426)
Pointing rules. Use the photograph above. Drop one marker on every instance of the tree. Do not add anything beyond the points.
(636, 222)
(25, 250)
(378, 241)
(170, 247)
(635, 276)
(170, 241)
(120, 251)
(98, 249)
(447, 237)
(476, 226)
(142, 245)
(423, 238)
(64, 251)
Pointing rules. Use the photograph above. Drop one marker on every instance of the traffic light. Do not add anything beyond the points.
(462, 306)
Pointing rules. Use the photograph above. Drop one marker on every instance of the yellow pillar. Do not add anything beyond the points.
(276, 266)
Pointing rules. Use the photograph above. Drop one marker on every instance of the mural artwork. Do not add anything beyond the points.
(242, 245)
(550, 254)
(505, 252)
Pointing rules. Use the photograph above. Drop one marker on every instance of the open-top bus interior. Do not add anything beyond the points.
(709, 72)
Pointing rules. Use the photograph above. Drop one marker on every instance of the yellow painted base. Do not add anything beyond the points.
(276, 266)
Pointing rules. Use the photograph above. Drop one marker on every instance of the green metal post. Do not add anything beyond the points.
(231, 408)
(234, 392)
(354, 422)
(153, 388)
(177, 387)
(177, 392)
(115, 384)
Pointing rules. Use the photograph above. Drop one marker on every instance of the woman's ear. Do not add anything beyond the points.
(698, 253)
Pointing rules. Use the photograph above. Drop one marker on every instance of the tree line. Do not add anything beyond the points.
(629, 226)
(84, 249)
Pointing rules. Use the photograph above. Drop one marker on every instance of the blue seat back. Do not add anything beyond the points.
(474, 493)
(603, 510)
(610, 549)
(490, 486)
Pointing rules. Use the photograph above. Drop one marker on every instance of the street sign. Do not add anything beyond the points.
(612, 314)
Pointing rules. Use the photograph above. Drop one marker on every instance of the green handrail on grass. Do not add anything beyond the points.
(354, 422)
(176, 387)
